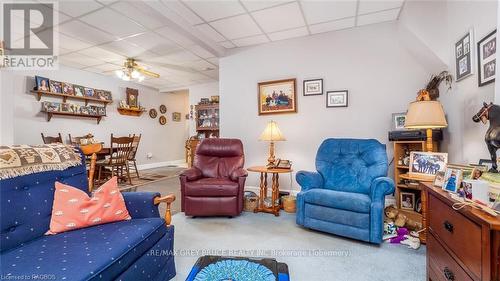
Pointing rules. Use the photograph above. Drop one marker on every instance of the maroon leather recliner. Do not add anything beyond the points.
(214, 185)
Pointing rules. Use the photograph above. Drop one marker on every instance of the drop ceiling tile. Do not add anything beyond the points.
(332, 25)
(107, 67)
(210, 32)
(84, 32)
(112, 22)
(140, 12)
(214, 61)
(180, 57)
(237, 27)
(201, 52)
(182, 11)
(70, 43)
(200, 65)
(124, 48)
(70, 63)
(175, 36)
(248, 41)
(153, 42)
(388, 15)
(102, 54)
(78, 8)
(292, 33)
(370, 6)
(227, 44)
(212, 10)
(80, 59)
(322, 11)
(212, 73)
(280, 18)
(253, 5)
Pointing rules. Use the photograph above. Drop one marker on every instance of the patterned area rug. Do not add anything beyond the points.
(146, 178)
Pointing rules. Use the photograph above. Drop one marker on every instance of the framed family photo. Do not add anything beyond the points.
(463, 56)
(486, 58)
(313, 87)
(277, 97)
(427, 164)
(407, 200)
(337, 98)
(398, 121)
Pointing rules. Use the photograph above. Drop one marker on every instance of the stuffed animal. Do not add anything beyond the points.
(399, 219)
(411, 242)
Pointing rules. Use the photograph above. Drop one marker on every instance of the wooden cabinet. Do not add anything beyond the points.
(461, 244)
(207, 119)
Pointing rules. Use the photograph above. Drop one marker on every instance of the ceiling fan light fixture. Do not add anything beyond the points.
(119, 73)
(135, 74)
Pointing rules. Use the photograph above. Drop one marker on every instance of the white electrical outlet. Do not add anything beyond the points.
(149, 155)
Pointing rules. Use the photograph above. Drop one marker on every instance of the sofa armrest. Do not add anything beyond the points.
(141, 204)
(309, 180)
(381, 187)
(168, 199)
(240, 172)
(191, 174)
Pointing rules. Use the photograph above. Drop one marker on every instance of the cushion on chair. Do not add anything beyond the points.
(74, 209)
(355, 202)
(211, 187)
(104, 250)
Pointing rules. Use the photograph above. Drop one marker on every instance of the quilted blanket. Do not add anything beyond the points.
(20, 160)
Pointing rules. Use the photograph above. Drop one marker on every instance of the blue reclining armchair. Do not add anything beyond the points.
(346, 195)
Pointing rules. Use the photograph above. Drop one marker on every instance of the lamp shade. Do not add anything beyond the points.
(272, 133)
(425, 115)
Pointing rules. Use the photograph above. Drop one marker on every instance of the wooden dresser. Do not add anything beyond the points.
(462, 245)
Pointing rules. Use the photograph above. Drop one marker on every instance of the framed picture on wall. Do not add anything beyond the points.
(463, 56)
(277, 97)
(42, 83)
(313, 87)
(486, 58)
(337, 98)
(132, 97)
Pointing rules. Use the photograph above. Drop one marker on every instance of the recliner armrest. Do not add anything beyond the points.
(240, 172)
(192, 174)
(381, 187)
(309, 180)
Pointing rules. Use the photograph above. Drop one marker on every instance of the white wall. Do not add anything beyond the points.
(370, 62)
(22, 119)
(449, 21)
(196, 92)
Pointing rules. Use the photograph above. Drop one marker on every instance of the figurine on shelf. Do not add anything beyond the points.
(406, 158)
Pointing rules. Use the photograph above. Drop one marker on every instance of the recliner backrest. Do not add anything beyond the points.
(218, 158)
(351, 165)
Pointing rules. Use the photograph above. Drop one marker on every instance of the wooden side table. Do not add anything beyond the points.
(263, 170)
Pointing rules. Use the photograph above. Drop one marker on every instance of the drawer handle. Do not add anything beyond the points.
(448, 226)
(448, 274)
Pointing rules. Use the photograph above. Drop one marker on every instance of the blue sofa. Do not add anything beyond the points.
(138, 249)
(346, 195)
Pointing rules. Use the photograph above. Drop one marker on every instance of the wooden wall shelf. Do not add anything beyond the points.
(65, 97)
(50, 114)
(130, 111)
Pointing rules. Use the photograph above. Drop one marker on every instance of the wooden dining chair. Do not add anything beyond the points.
(120, 150)
(75, 141)
(49, 140)
(132, 162)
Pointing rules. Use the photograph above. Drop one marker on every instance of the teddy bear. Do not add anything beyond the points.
(399, 219)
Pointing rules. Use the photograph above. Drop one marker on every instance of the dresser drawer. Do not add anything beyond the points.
(442, 267)
(459, 234)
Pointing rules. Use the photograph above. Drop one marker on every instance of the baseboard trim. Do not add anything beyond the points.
(256, 189)
(179, 162)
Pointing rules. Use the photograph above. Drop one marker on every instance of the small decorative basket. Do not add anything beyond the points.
(250, 202)
(289, 204)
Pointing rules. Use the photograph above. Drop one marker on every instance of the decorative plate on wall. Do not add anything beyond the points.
(163, 120)
(153, 113)
(163, 109)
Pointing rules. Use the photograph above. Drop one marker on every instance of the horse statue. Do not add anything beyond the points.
(491, 112)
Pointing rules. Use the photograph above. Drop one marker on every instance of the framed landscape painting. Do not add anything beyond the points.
(278, 96)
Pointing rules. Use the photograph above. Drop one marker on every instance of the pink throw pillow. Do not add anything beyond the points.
(74, 209)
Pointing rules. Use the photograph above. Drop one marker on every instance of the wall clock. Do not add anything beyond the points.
(163, 120)
(153, 113)
(163, 109)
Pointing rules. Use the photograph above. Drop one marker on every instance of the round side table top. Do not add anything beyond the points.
(264, 169)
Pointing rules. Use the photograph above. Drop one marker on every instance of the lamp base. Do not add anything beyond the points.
(271, 160)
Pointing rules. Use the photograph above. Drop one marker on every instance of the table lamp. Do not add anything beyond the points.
(271, 133)
(426, 115)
